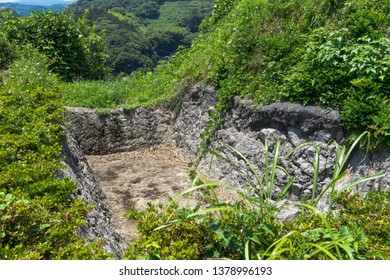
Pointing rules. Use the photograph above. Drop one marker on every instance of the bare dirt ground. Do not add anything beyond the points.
(134, 178)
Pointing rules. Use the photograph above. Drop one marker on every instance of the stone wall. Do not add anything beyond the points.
(99, 223)
(120, 130)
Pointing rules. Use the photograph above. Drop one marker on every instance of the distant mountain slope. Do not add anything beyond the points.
(39, 2)
(26, 10)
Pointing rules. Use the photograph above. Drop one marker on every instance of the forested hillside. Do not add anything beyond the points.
(141, 32)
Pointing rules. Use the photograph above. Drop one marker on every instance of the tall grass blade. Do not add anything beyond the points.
(316, 173)
(346, 248)
(325, 222)
(362, 180)
(286, 188)
(266, 169)
(247, 257)
(232, 164)
(281, 240)
(218, 155)
(322, 249)
(297, 148)
(278, 250)
(250, 165)
(211, 188)
(331, 185)
(215, 209)
(273, 170)
(352, 147)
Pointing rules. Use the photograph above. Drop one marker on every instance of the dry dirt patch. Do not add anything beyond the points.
(134, 178)
(148, 174)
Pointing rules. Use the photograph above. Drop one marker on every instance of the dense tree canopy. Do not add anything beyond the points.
(26, 10)
(141, 32)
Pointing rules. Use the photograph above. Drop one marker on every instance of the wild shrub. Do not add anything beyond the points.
(185, 239)
(345, 72)
(74, 49)
(38, 216)
(7, 53)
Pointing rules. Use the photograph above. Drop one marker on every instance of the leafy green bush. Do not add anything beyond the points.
(74, 49)
(38, 217)
(314, 235)
(239, 232)
(186, 239)
(6, 52)
(349, 73)
(361, 228)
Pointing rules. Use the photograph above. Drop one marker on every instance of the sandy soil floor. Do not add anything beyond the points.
(134, 178)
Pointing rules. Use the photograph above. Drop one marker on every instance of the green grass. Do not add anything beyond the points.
(94, 94)
(137, 91)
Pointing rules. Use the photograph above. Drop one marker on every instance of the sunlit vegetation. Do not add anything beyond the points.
(73, 49)
(333, 53)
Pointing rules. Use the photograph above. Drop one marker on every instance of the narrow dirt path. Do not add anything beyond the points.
(134, 178)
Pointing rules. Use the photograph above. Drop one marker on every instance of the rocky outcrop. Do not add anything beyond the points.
(362, 165)
(191, 120)
(98, 223)
(247, 129)
(299, 129)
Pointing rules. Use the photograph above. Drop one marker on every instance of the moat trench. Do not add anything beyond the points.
(131, 174)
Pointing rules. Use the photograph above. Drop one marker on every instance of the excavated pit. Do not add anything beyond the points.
(130, 157)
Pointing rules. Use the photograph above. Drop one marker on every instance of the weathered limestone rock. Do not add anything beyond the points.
(247, 128)
(120, 130)
(99, 223)
(192, 118)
